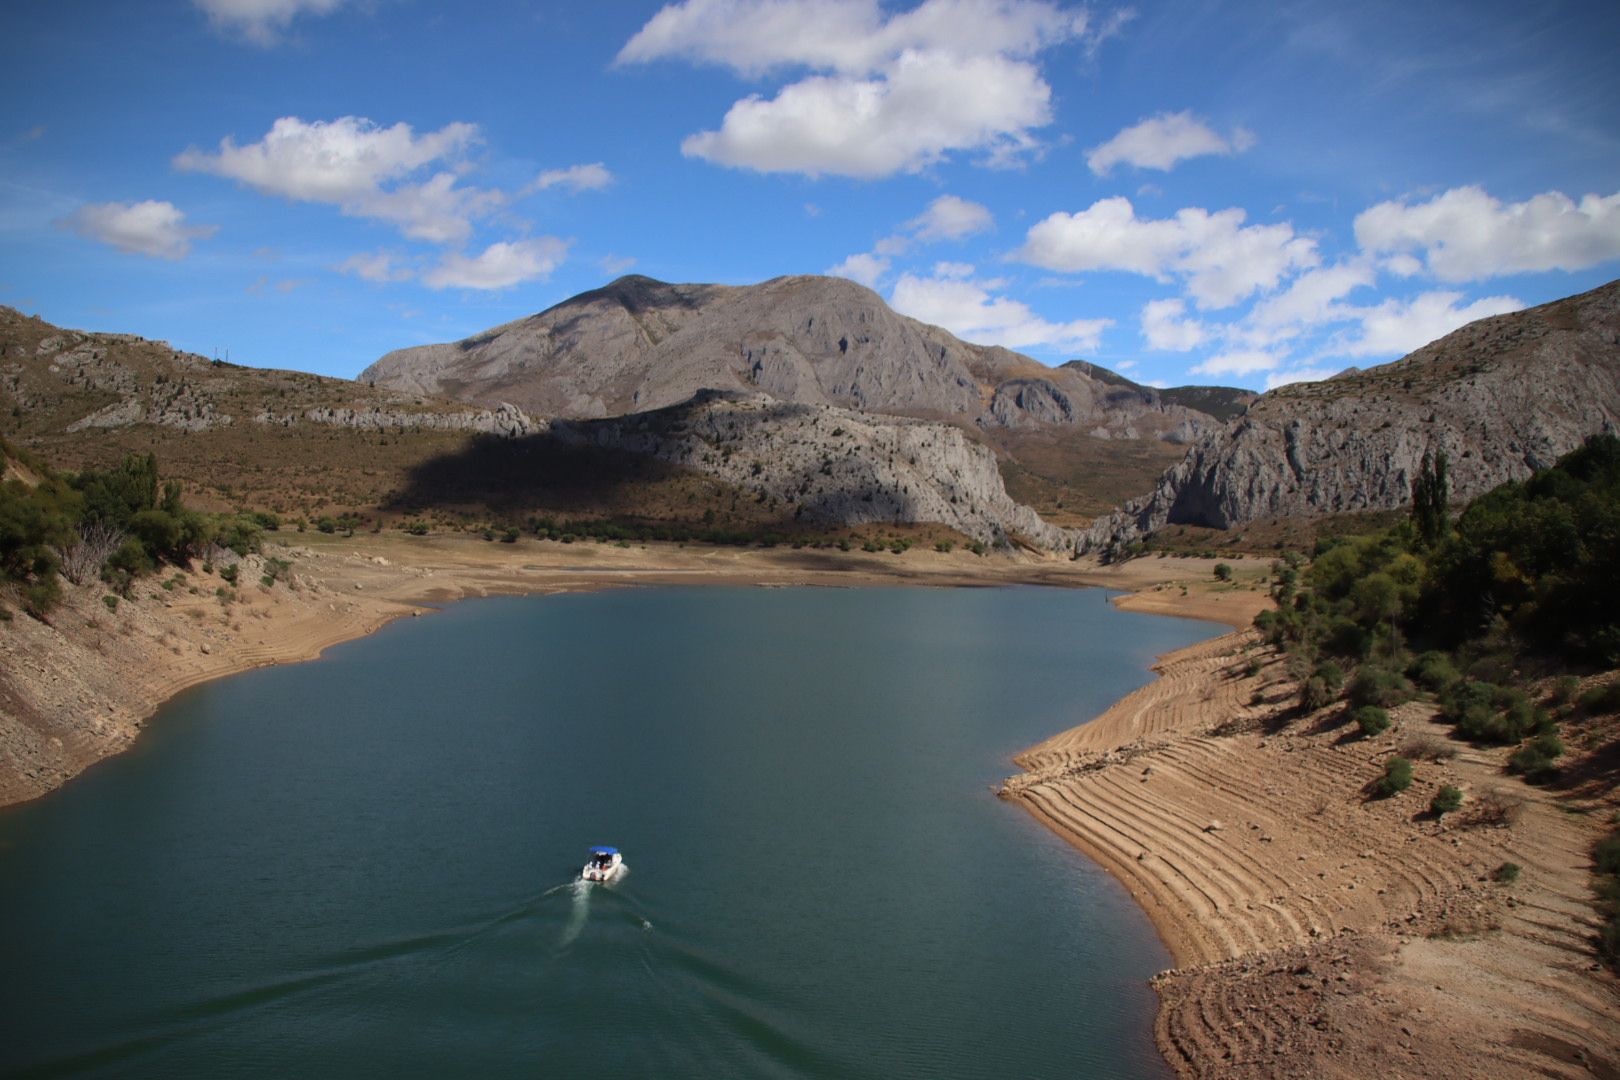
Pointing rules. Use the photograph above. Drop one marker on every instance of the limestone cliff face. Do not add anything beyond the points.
(1502, 397)
(640, 344)
(832, 466)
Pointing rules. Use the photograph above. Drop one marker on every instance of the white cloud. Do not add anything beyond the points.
(1313, 298)
(926, 105)
(615, 264)
(953, 270)
(500, 266)
(1466, 235)
(346, 162)
(144, 228)
(889, 93)
(591, 177)
(951, 218)
(378, 266)
(1396, 327)
(1164, 327)
(1222, 260)
(968, 309)
(1162, 141)
(866, 269)
(847, 36)
(1238, 362)
(261, 21)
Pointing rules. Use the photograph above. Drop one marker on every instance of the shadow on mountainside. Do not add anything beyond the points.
(541, 472)
(545, 474)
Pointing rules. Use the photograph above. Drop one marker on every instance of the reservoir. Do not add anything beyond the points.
(366, 865)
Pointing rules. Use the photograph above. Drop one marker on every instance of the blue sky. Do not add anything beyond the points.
(1187, 192)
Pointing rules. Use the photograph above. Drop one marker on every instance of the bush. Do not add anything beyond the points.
(1535, 759)
(1396, 779)
(1606, 856)
(1434, 671)
(1602, 699)
(1371, 720)
(943, 546)
(1331, 674)
(327, 525)
(1506, 874)
(1223, 572)
(1375, 685)
(1314, 694)
(1428, 748)
(1446, 800)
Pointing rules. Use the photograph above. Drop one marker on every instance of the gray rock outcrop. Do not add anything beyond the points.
(830, 466)
(1502, 397)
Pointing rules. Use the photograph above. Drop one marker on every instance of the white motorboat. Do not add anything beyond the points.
(605, 864)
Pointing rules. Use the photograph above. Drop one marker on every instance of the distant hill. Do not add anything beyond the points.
(1502, 397)
(639, 344)
(1221, 402)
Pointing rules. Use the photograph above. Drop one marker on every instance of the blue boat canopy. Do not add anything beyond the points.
(604, 851)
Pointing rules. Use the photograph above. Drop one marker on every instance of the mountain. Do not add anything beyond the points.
(307, 446)
(1221, 402)
(1502, 397)
(638, 344)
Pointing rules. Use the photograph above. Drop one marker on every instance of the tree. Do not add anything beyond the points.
(1431, 496)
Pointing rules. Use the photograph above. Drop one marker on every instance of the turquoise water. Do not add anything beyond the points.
(364, 866)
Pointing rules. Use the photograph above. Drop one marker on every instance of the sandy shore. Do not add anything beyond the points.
(1315, 933)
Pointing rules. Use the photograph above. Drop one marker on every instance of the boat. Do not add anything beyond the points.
(605, 864)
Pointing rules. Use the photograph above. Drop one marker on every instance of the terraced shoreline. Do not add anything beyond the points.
(1316, 931)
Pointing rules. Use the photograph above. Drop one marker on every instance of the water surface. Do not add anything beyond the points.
(364, 866)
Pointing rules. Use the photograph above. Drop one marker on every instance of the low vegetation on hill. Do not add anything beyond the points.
(1508, 618)
(112, 525)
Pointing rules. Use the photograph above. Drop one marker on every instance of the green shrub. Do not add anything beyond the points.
(1563, 691)
(327, 525)
(1434, 671)
(417, 528)
(1536, 759)
(1371, 720)
(1506, 874)
(228, 573)
(1223, 572)
(1396, 779)
(1376, 685)
(1606, 855)
(1602, 699)
(1331, 674)
(943, 546)
(1446, 800)
(1314, 694)
(111, 601)
(510, 536)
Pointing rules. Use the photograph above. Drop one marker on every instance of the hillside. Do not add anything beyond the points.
(306, 446)
(1501, 397)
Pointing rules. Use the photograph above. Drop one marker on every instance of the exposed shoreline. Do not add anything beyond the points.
(1317, 932)
(1303, 925)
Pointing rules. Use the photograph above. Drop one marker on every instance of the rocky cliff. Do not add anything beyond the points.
(639, 344)
(1501, 397)
(830, 466)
